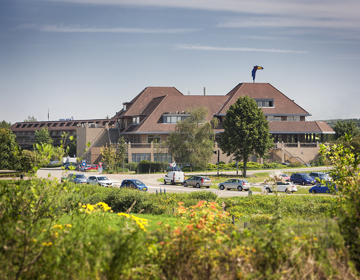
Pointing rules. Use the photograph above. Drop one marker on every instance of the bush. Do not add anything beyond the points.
(144, 167)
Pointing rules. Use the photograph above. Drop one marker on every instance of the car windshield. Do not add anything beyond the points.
(102, 178)
(306, 176)
(206, 178)
(79, 176)
(137, 182)
(285, 175)
(245, 181)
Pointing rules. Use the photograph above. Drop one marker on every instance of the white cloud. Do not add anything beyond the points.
(233, 49)
(316, 13)
(72, 29)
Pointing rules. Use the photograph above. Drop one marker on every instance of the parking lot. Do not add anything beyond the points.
(151, 180)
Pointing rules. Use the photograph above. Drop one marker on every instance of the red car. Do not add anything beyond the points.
(92, 167)
(286, 177)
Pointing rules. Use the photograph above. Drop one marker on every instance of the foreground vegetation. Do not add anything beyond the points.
(61, 231)
(64, 231)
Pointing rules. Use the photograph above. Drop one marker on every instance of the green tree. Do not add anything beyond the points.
(8, 149)
(31, 119)
(345, 170)
(5, 124)
(43, 136)
(108, 153)
(246, 131)
(342, 128)
(114, 154)
(121, 152)
(193, 139)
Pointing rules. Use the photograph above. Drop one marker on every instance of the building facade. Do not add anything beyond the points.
(147, 120)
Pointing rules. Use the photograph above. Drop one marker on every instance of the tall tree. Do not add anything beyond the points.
(114, 154)
(246, 131)
(5, 124)
(193, 139)
(8, 148)
(31, 119)
(342, 128)
(43, 136)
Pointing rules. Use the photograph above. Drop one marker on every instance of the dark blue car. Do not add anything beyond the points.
(134, 184)
(302, 178)
(321, 188)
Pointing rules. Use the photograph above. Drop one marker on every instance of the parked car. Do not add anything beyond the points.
(285, 176)
(318, 176)
(174, 177)
(321, 188)
(76, 178)
(134, 184)
(67, 165)
(83, 168)
(287, 187)
(302, 178)
(91, 167)
(198, 181)
(100, 180)
(238, 184)
(176, 168)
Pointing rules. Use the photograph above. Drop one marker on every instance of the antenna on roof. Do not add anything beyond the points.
(204, 90)
(48, 115)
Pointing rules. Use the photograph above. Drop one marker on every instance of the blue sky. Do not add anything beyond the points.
(84, 58)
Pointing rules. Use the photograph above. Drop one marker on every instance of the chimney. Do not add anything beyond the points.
(204, 90)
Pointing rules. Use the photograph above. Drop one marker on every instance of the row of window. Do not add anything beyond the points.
(137, 157)
(174, 119)
(265, 103)
(288, 118)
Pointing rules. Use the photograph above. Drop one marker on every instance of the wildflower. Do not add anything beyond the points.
(124, 214)
(315, 239)
(180, 203)
(58, 226)
(68, 225)
(47, 244)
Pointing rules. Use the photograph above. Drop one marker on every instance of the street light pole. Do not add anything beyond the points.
(218, 152)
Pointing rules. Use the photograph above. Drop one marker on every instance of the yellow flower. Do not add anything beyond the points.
(58, 226)
(68, 225)
(47, 244)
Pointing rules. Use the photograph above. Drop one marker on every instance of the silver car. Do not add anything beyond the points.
(238, 184)
(287, 187)
(100, 180)
(198, 181)
(76, 178)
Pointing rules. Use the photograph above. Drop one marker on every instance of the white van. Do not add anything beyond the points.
(174, 177)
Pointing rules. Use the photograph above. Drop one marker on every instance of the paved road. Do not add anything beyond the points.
(151, 180)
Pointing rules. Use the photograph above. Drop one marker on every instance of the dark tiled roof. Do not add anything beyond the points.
(282, 104)
(141, 101)
(300, 127)
(153, 122)
(58, 125)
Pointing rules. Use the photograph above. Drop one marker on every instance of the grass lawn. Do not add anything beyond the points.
(152, 220)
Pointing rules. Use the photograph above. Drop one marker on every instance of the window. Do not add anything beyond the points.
(140, 157)
(136, 120)
(273, 119)
(293, 118)
(265, 102)
(174, 118)
(154, 138)
(162, 158)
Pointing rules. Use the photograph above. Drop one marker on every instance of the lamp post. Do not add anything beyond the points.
(218, 154)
